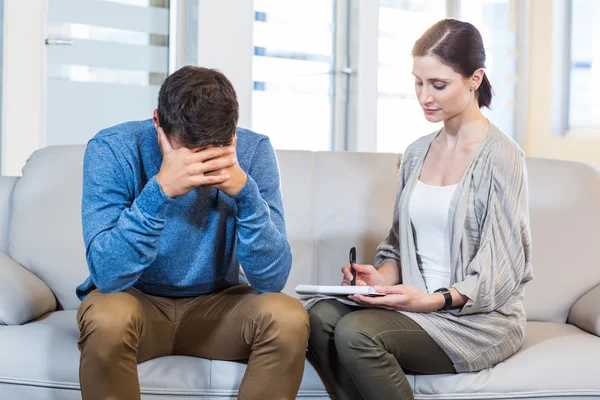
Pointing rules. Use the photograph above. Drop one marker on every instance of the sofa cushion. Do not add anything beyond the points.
(565, 229)
(7, 184)
(585, 313)
(354, 205)
(23, 296)
(44, 353)
(332, 201)
(297, 169)
(555, 360)
(47, 201)
(46, 234)
(45, 229)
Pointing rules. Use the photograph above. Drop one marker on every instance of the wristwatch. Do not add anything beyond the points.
(447, 298)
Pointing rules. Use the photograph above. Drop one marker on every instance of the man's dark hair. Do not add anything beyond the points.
(198, 107)
(459, 45)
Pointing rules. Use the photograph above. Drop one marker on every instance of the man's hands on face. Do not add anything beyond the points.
(237, 177)
(185, 169)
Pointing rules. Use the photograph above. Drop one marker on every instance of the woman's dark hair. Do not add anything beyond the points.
(459, 45)
(198, 107)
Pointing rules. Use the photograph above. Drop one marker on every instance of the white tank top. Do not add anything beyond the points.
(428, 209)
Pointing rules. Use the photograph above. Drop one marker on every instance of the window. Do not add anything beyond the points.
(292, 72)
(495, 20)
(336, 74)
(400, 120)
(105, 63)
(1, 50)
(584, 104)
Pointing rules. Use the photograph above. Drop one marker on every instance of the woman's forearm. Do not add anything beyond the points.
(390, 272)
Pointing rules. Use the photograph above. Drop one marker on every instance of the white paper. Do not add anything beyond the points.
(337, 290)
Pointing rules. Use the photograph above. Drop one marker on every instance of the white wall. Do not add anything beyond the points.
(225, 42)
(23, 83)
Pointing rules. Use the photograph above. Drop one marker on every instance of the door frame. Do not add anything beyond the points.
(23, 83)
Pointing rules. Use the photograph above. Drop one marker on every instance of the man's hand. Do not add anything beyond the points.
(183, 169)
(238, 177)
(403, 298)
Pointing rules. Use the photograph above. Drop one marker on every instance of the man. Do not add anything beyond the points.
(171, 208)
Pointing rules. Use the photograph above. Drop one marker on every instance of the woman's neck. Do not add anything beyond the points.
(466, 128)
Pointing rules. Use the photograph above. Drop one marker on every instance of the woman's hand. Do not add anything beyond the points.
(402, 298)
(366, 275)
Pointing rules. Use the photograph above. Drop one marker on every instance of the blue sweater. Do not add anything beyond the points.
(135, 235)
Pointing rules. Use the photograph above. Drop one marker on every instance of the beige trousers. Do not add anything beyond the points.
(120, 330)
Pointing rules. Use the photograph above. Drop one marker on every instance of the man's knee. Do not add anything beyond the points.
(284, 315)
(110, 315)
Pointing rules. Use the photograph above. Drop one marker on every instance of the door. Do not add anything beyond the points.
(105, 62)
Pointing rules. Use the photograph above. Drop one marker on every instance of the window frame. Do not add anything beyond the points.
(363, 110)
(562, 36)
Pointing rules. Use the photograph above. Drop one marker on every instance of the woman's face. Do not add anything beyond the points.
(442, 92)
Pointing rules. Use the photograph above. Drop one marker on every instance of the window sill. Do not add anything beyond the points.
(583, 133)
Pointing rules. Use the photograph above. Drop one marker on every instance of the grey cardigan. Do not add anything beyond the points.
(490, 252)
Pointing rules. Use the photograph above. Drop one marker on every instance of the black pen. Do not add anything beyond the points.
(352, 262)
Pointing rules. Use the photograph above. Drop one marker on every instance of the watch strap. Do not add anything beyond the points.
(447, 298)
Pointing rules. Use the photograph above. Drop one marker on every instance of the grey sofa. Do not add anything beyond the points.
(332, 201)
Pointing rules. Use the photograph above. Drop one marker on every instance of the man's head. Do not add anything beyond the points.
(197, 107)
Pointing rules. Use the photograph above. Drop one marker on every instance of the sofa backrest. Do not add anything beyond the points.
(45, 229)
(332, 201)
(7, 184)
(564, 210)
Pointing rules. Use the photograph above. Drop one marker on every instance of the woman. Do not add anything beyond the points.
(457, 258)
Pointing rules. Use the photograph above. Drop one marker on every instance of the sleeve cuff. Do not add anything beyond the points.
(379, 263)
(153, 201)
(248, 200)
(468, 288)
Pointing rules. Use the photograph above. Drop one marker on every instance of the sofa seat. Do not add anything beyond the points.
(43, 355)
(554, 362)
(40, 360)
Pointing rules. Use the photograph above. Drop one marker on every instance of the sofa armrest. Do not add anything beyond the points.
(23, 296)
(585, 313)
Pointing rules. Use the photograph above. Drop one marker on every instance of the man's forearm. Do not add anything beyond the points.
(263, 249)
(117, 253)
